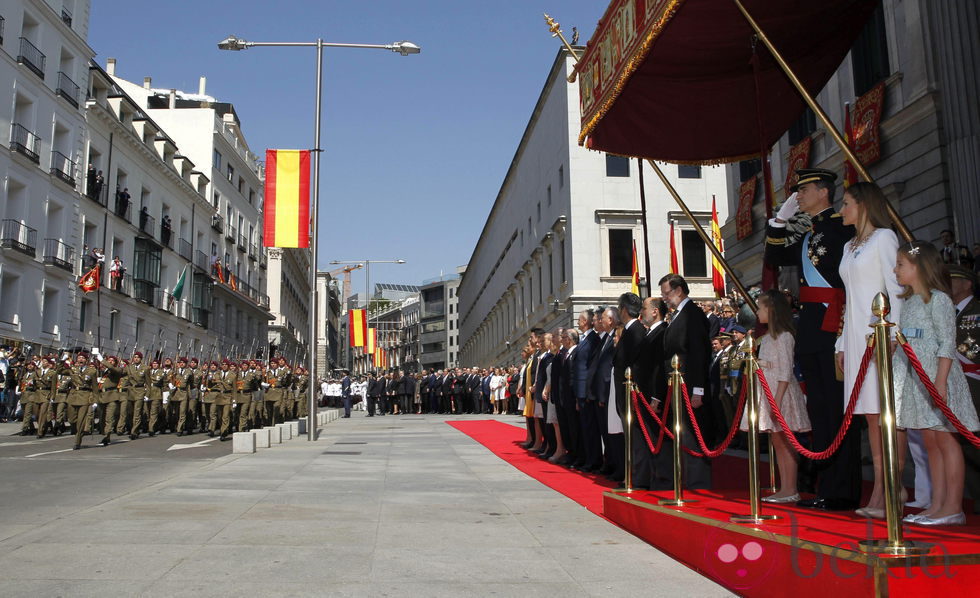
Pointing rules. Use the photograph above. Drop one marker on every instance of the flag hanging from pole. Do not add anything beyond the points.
(90, 280)
(178, 290)
(673, 251)
(357, 326)
(635, 278)
(379, 358)
(717, 274)
(287, 198)
(372, 341)
(850, 174)
(232, 283)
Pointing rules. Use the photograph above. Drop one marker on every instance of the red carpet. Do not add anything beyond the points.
(504, 441)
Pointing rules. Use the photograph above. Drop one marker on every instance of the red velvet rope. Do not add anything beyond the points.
(654, 448)
(736, 422)
(936, 398)
(848, 414)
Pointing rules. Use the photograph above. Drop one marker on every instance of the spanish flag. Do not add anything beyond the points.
(635, 279)
(372, 341)
(287, 198)
(717, 274)
(380, 360)
(357, 325)
(674, 269)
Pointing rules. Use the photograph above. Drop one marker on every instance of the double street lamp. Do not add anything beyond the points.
(236, 43)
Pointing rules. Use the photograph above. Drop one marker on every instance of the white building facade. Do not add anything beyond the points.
(560, 234)
(43, 68)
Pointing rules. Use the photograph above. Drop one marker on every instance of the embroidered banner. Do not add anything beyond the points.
(867, 117)
(743, 217)
(799, 157)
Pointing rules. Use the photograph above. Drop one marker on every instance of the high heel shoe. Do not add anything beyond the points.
(954, 519)
(782, 499)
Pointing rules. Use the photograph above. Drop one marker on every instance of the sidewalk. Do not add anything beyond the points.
(393, 506)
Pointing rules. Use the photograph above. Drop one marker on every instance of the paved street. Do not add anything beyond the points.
(387, 506)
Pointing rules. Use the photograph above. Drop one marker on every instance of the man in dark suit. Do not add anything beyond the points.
(559, 379)
(588, 348)
(484, 396)
(654, 472)
(345, 394)
(687, 337)
(375, 389)
(568, 410)
(626, 351)
(547, 448)
(601, 379)
(446, 392)
(814, 242)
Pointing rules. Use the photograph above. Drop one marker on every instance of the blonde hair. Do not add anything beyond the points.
(930, 267)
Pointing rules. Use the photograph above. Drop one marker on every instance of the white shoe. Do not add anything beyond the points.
(914, 504)
(781, 500)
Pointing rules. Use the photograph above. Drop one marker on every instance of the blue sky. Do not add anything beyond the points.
(415, 147)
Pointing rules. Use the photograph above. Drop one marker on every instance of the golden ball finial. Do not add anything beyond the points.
(880, 306)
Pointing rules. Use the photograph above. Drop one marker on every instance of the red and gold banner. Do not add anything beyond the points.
(674, 267)
(717, 273)
(357, 327)
(867, 117)
(372, 341)
(90, 280)
(799, 157)
(287, 198)
(613, 52)
(635, 278)
(743, 217)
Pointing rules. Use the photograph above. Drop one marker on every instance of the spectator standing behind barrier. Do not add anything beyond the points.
(968, 353)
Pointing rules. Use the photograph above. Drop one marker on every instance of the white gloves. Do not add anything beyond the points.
(64, 356)
(789, 208)
(172, 387)
(95, 353)
(234, 404)
(265, 385)
(94, 405)
(146, 399)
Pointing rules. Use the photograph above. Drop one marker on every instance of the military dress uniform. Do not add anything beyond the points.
(157, 382)
(207, 400)
(59, 402)
(180, 385)
(968, 355)
(84, 381)
(248, 382)
(47, 382)
(302, 390)
(110, 398)
(225, 383)
(817, 255)
(279, 380)
(29, 400)
(134, 383)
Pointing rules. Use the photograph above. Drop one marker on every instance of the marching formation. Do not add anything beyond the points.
(106, 395)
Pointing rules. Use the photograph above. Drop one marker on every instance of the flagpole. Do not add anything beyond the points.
(315, 230)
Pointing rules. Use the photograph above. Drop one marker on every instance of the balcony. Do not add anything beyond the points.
(177, 307)
(3, 22)
(66, 16)
(18, 236)
(63, 168)
(232, 234)
(242, 243)
(31, 57)
(253, 251)
(67, 89)
(58, 254)
(166, 234)
(202, 261)
(122, 284)
(263, 261)
(147, 223)
(25, 142)
(218, 223)
(145, 291)
(124, 208)
(185, 249)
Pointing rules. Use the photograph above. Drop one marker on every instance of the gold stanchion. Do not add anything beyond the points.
(896, 544)
(772, 467)
(677, 404)
(628, 434)
(752, 405)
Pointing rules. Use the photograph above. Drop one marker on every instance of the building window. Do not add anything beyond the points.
(539, 211)
(695, 261)
(451, 305)
(564, 277)
(551, 274)
(688, 171)
(549, 195)
(217, 160)
(540, 285)
(529, 227)
(112, 325)
(561, 176)
(620, 252)
(869, 55)
(748, 169)
(139, 329)
(803, 127)
(231, 173)
(9, 294)
(617, 166)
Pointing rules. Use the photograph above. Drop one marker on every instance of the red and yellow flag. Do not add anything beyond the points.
(635, 278)
(850, 174)
(232, 283)
(717, 274)
(372, 341)
(90, 280)
(380, 359)
(673, 251)
(287, 198)
(357, 325)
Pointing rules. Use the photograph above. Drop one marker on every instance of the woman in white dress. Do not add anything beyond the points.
(867, 269)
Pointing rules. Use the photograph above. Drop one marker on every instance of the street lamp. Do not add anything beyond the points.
(233, 42)
(367, 277)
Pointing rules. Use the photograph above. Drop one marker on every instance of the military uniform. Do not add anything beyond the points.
(207, 399)
(248, 384)
(29, 400)
(47, 382)
(279, 380)
(225, 383)
(110, 398)
(180, 387)
(134, 385)
(818, 251)
(60, 402)
(81, 396)
(968, 355)
(156, 383)
(302, 392)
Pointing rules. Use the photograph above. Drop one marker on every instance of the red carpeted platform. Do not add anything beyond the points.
(805, 553)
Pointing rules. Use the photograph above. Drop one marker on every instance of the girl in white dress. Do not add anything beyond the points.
(776, 350)
(866, 269)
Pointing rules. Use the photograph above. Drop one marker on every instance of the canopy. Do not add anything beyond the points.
(672, 80)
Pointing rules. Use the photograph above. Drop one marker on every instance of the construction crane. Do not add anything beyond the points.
(346, 270)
